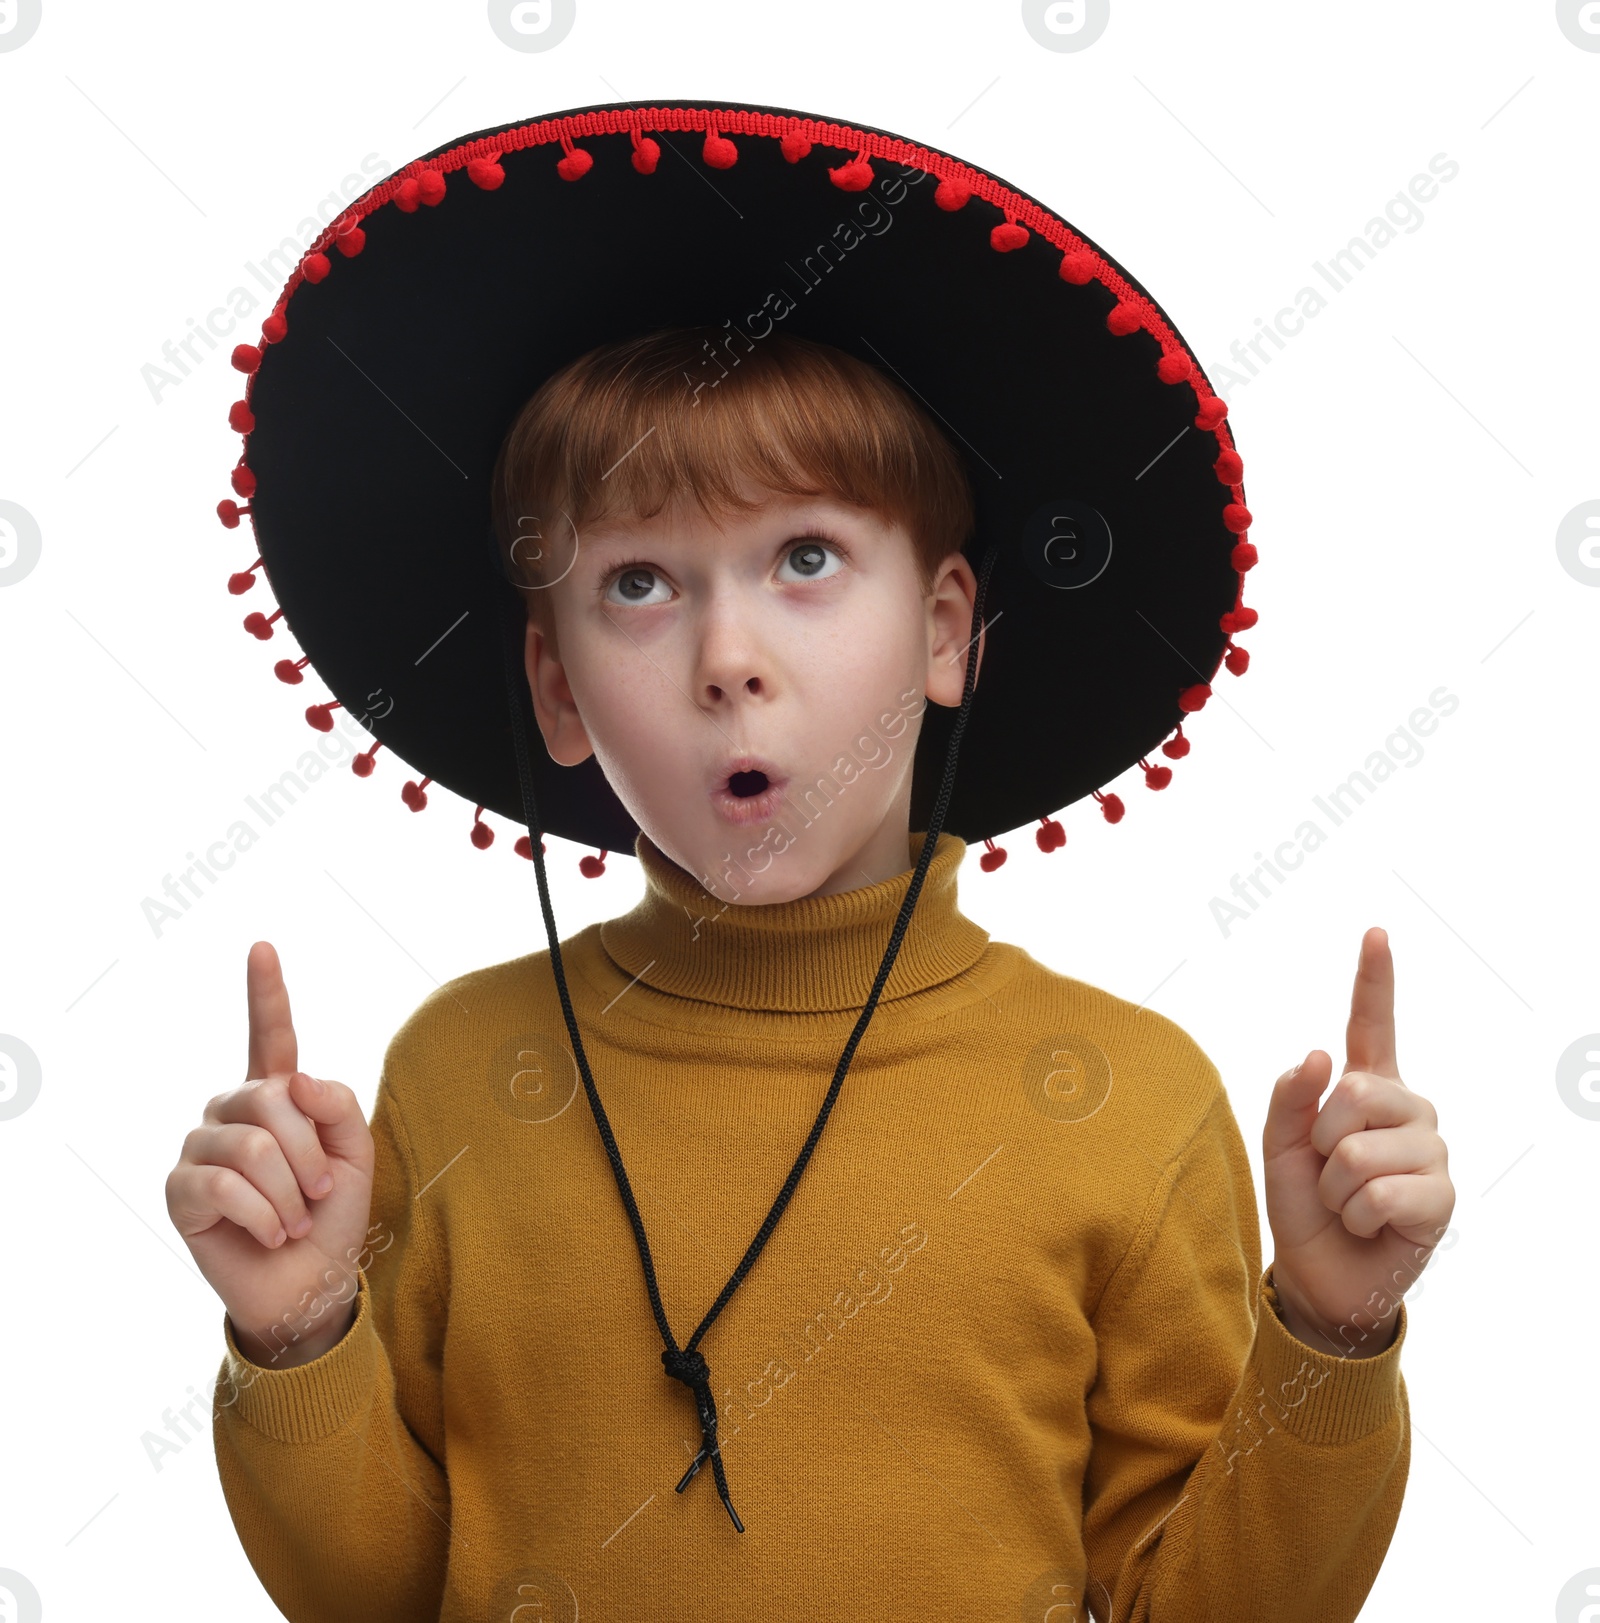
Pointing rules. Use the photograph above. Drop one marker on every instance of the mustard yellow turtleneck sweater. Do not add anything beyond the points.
(1009, 1354)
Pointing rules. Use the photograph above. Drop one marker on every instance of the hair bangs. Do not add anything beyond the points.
(725, 421)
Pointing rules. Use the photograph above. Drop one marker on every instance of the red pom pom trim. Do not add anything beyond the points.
(1008, 236)
(952, 194)
(718, 150)
(1194, 698)
(1123, 319)
(1111, 807)
(245, 358)
(1177, 746)
(646, 155)
(240, 417)
(363, 764)
(427, 187)
(854, 176)
(482, 834)
(275, 328)
(1230, 467)
(524, 846)
(794, 147)
(1077, 268)
(316, 266)
(320, 716)
(577, 162)
(413, 794)
(486, 173)
(243, 481)
(1211, 413)
(1049, 835)
(993, 857)
(260, 625)
(244, 579)
(292, 671)
(592, 867)
(1155, 777)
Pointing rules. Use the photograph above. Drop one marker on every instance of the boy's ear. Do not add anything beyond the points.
(554, 708)
(949, 607)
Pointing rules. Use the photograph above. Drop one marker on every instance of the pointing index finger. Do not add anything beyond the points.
(273, 1049)
(1369, 1037)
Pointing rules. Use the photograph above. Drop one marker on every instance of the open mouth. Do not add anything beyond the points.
(749, 792)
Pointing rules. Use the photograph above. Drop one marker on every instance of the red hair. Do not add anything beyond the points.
(629, 426)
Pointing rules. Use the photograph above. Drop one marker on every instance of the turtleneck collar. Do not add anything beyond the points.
(816, 954)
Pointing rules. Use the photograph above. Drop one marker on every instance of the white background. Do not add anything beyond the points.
(1408, 456)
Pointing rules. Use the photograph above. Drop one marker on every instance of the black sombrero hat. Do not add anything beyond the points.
(1110, 539)
(416, 325)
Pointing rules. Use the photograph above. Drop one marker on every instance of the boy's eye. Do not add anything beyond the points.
(810, 559)
(635, 582)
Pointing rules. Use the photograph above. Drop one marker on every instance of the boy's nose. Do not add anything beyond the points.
(732, 666)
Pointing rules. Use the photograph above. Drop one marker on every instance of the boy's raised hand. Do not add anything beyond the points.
(1357, 1192)
(273, 1191)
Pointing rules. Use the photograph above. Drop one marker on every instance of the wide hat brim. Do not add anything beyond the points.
(409, 335)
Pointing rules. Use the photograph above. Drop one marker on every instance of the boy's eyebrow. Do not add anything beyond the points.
(831, 514)
(614, 536)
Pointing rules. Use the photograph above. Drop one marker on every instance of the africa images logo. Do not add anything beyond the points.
(20, 541)
(1066, 25)
(532, 25)
(18, 20)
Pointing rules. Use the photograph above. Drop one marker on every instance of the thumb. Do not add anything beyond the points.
(337, 1113)
(1292, 1109)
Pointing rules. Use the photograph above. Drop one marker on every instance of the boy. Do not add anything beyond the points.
(1006, 1355)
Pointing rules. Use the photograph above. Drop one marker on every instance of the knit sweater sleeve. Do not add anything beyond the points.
(334, 1472)
(1235, 1471)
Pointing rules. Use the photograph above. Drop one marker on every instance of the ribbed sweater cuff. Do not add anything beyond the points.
(302, 1404)
(1319, 1396)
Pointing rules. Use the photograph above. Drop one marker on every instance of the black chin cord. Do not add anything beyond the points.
(687, 1364)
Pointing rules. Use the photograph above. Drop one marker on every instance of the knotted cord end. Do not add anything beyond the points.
(690, 1367)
